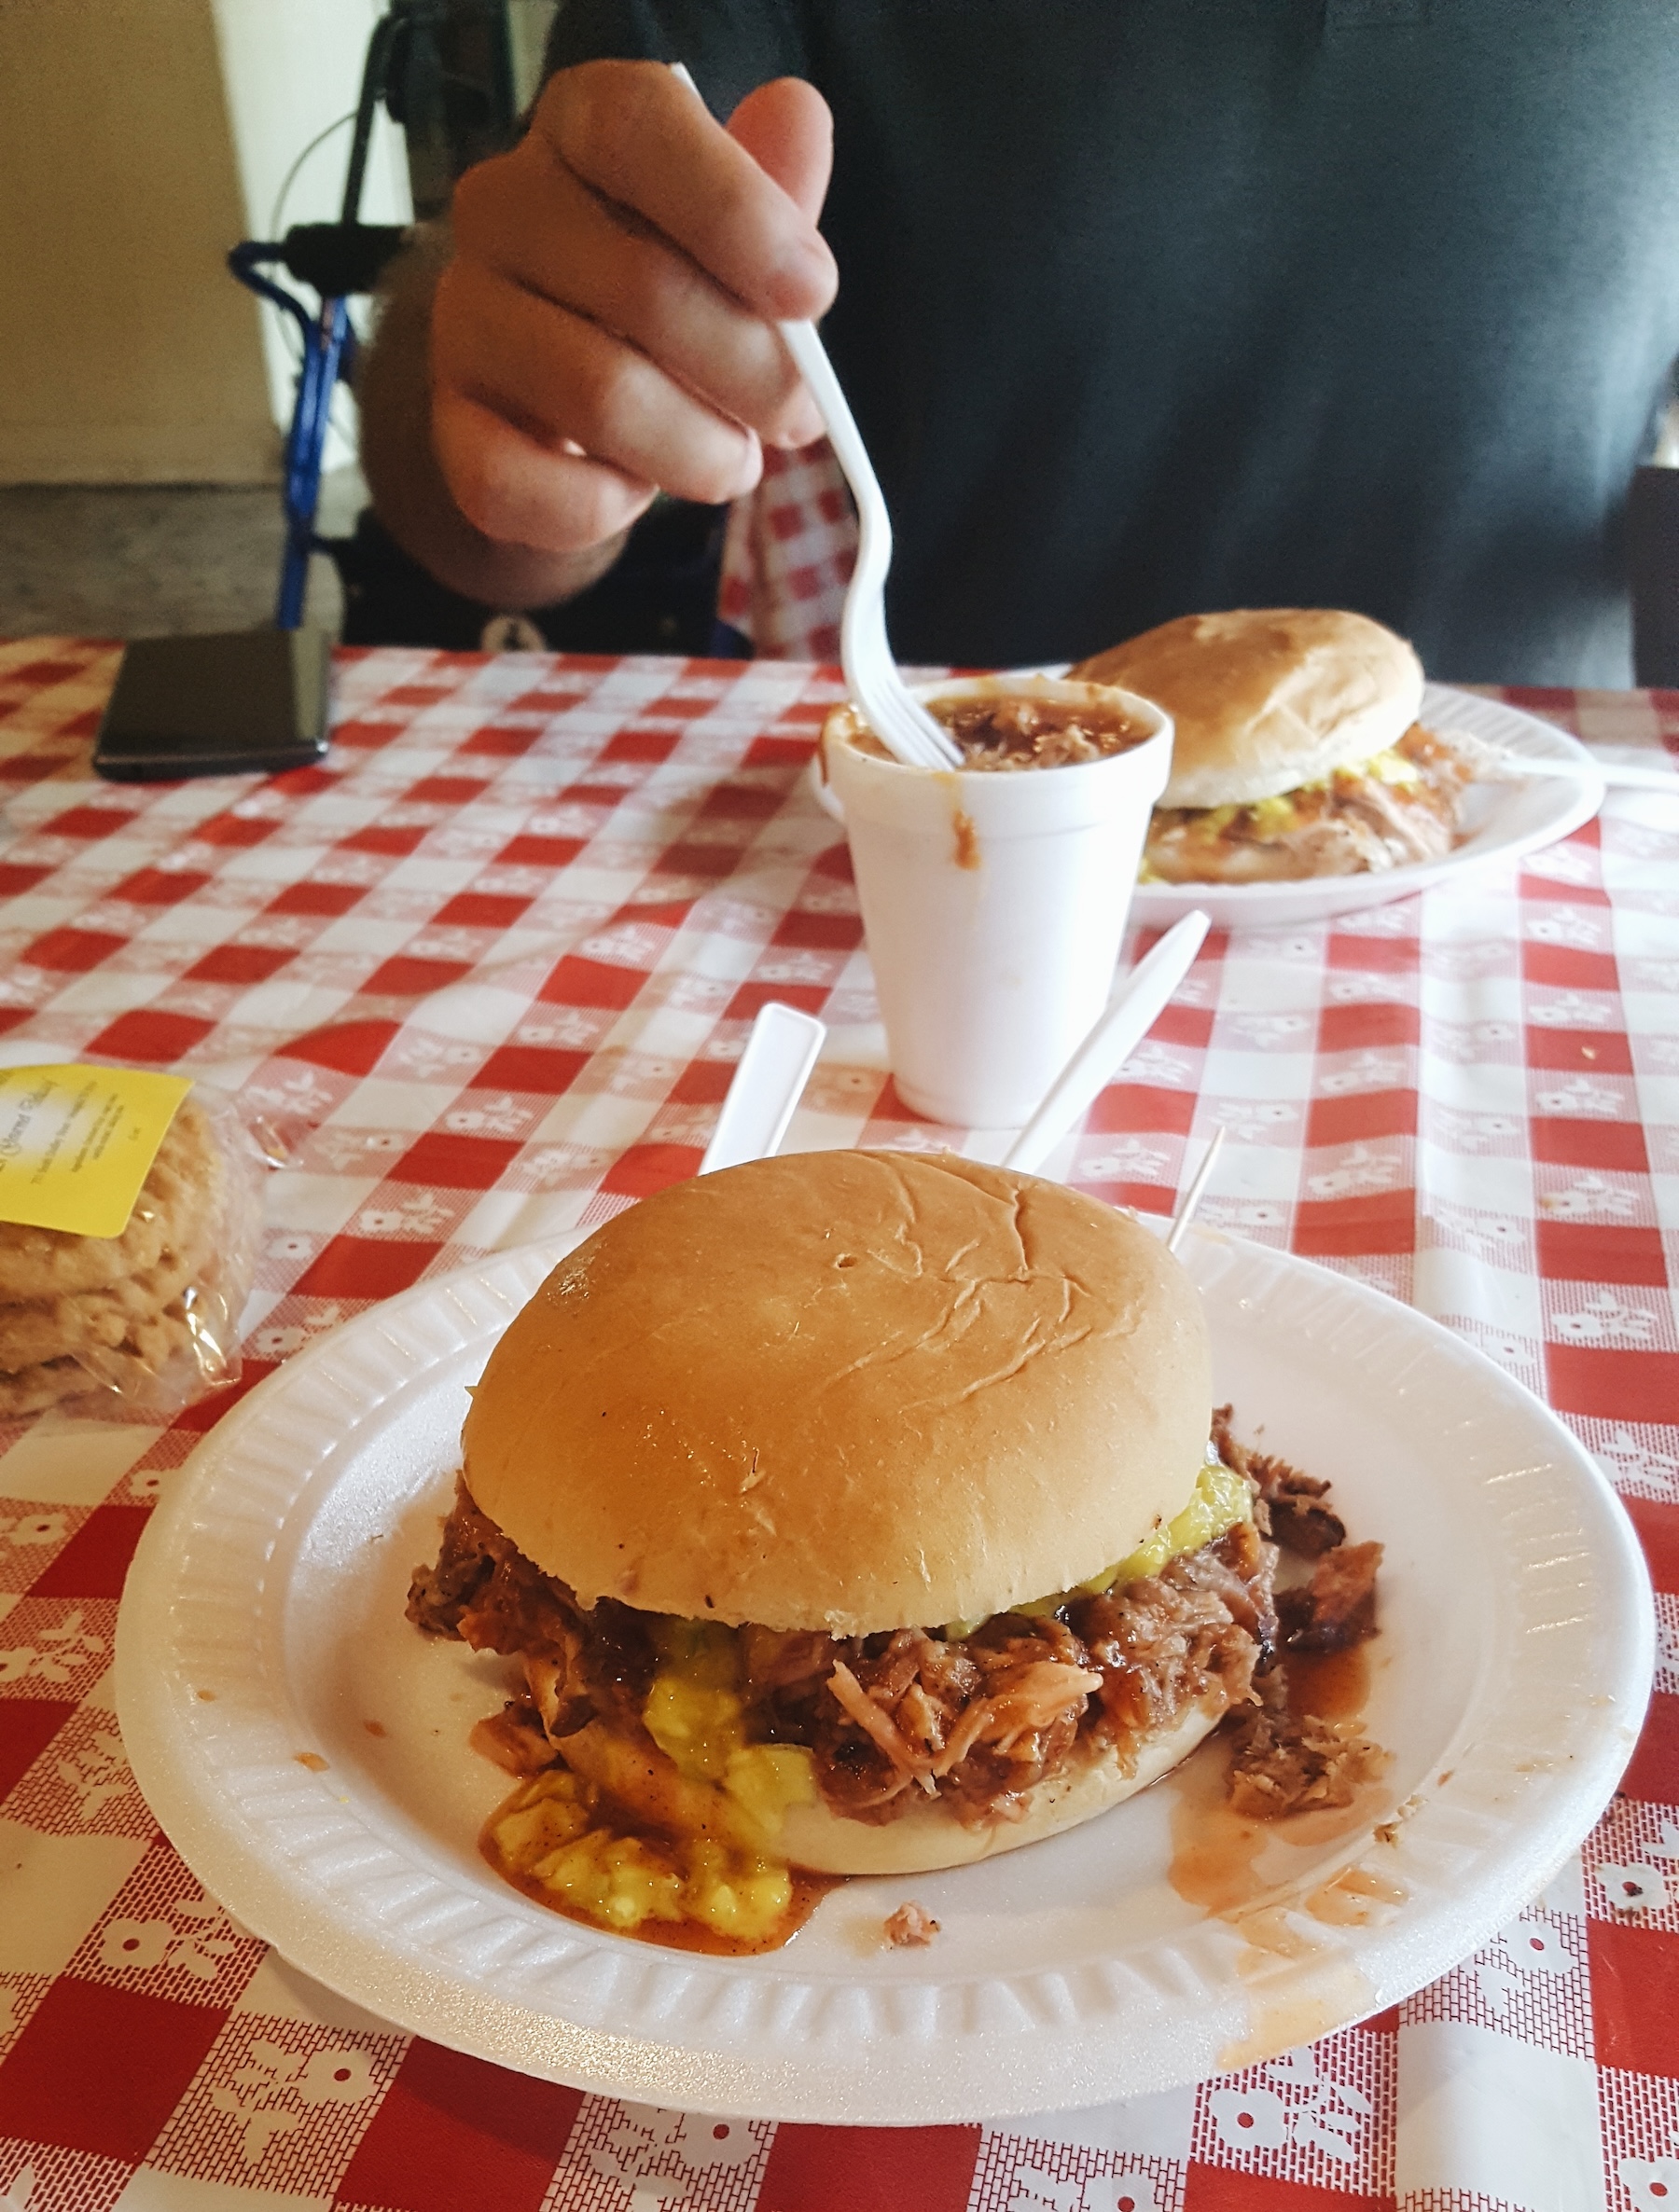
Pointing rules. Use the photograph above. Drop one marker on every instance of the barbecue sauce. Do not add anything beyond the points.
(999, 732)
(1216, 1849)
(1333, 1685)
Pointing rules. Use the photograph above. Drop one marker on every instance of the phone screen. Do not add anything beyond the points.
(245, 702)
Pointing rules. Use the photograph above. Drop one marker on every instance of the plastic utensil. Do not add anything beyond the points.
(1516, 768)
(768, 1082)
(785, 1044)
(1131, 1014)
(901, 723)
(1191, 1202)
(898, 719)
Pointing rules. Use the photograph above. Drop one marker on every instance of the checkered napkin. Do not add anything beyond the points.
(490, 969)
(787, 557)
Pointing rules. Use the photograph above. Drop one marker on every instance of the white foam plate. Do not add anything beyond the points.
(1501, 820)
(263, 1626)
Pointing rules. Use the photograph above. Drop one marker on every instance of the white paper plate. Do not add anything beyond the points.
(263, 1624)
(1502, 822)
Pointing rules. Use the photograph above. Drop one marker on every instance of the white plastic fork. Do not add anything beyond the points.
(878, 692)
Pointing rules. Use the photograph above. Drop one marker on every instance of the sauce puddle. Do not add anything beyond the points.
(1216, 1864)
(1336, 1685)
(1215, 1849)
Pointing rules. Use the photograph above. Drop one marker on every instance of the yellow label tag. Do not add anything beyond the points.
(76, 1143)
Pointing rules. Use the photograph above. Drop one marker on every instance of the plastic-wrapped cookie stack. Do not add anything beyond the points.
(152, 1314)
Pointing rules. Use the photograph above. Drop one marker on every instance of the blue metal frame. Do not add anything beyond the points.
(329, 344)
(328, 353)
(329, 339)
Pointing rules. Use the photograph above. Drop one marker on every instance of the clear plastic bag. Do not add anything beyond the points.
(144, 1323)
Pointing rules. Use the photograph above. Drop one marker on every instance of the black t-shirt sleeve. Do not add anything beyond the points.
(731, 46)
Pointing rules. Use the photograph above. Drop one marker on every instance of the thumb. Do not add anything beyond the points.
(787, 130)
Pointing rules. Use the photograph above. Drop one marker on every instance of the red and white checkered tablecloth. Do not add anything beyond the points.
(489, 968)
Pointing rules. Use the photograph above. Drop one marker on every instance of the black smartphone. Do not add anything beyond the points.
(243, 702)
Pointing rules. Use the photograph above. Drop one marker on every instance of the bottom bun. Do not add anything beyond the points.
(929, 1837)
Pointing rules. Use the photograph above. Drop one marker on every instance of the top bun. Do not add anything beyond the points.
(845, 1391)
(1266, 699)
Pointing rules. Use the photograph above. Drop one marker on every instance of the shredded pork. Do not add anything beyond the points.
(1298, 1763)
(1337, 1607)
(976, 1720)
(1349, 823)
(579, 1664)
(911, 1927)
(1285, 1758)
(1292, 1507)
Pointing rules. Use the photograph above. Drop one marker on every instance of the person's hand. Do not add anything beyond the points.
(605, 329)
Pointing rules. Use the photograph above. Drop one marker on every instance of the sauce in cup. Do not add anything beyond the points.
(1005, 732)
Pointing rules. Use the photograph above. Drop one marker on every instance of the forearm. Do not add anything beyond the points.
(407, 488)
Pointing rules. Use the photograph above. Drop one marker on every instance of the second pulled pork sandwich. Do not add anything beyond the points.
(1297, 750)
(851, 1513)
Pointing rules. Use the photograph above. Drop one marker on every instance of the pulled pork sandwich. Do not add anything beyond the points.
(1298, 751)
(852, 1512)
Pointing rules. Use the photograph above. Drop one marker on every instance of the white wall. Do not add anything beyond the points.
(139, 140)
(127, 352)
(529, 22)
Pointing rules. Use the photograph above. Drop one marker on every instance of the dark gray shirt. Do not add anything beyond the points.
(1150, 306)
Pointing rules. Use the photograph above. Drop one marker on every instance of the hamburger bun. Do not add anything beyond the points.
(928, 1836)
(1267, 698)
(845, 1391)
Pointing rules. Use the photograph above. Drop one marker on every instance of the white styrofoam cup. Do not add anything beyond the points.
(994, 901)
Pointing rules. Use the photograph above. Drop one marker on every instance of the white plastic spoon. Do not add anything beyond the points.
(768, 1082)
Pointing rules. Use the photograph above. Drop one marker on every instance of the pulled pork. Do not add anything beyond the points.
(976, 1721)
(1337, 1607)
(580, 1665)
(1298, 1763)
(1287, 1758)
(911, 1927)
(1345, 824)
(1291, 1505)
